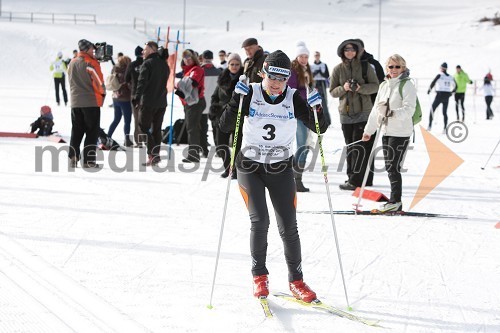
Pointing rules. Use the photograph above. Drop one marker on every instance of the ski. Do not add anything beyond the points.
(264, 302)
(376, 212)
(320, 306)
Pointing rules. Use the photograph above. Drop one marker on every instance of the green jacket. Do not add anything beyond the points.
(58, 67)
(462, 79)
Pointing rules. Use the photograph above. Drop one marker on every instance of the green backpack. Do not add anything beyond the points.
(417, 115)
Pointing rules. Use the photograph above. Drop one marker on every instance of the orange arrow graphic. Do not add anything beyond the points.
(442, 163)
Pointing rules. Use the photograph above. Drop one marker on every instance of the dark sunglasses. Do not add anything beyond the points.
(277, 78)
(391, 67)
(349, 49)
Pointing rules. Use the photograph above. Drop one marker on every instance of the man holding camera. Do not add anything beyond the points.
(87, 96)
(347, 83)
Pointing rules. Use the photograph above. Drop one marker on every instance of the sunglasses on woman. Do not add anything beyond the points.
(277, 78)
(391, 67)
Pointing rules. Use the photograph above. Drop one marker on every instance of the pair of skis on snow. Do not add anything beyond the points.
(316, 305)
(376, 212)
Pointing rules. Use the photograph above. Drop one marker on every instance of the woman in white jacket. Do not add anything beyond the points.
(489, 92)
(393, 108)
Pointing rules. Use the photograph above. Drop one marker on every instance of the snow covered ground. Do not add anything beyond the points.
(134, 251)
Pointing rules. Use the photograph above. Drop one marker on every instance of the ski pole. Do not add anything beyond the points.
(231, 165)
(170, 134)
(353, 143)
(491, 155)
(324, 168)
(370, 159)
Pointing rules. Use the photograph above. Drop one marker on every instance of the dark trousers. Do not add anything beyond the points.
(394, 149)
(193, 115)
(441, 98)
(61, 82)
(150, 121)
(84, 121)
(357, 155)
(459, 100)
(121, 109)
(489, 112)
(224, 142)
(204, 133)
(281, 188)
(137, 129)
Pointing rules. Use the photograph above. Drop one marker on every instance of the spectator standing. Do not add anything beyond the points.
(221, 96)
(87, 96)
(461, 79)
(211, 75)
(397, 124)
(131, 77)
(151, 98)
(58, 68)
(191, 90)
(321, 77)
(254, 61)
(300, 79)
(122, 101)
(354, 93)
(222, 60)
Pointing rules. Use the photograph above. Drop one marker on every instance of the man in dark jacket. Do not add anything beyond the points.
(150, 99)
(131, 77)
(254, 61)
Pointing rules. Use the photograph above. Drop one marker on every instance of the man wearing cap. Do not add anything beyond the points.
(58, 67)
(271, 110)
(255, 59)
(462, 79)
(445, 86)
(87, 96)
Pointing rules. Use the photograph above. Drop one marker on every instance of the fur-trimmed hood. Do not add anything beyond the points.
(340, 49)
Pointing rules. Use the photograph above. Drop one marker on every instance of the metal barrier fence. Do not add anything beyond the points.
(48, 17)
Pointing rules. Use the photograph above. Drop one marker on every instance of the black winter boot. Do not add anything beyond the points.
(298, 171)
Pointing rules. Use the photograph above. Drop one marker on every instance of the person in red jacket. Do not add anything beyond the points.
(191, 90)
(87, 96)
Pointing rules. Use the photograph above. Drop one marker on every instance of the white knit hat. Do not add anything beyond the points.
(301, 49)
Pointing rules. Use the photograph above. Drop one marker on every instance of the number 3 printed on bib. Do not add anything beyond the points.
(270, 134)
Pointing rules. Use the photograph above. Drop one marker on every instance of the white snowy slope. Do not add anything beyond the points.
(130, 250)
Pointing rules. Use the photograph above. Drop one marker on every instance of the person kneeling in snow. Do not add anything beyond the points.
(44, 123)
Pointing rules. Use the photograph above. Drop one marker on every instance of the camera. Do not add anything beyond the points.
(353, 84)
(103, 51)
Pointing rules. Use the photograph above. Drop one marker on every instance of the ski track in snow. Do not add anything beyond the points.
(135, 251)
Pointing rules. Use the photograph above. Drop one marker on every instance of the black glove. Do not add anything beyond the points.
(428, 91)
(180, 94)
(470, 82)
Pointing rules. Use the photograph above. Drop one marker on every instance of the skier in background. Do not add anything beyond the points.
(461, 79)
(58, 67)
(445, 86)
